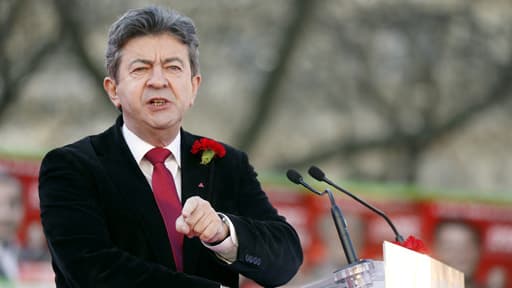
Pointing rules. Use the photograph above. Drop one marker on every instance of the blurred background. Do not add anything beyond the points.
(405, 102)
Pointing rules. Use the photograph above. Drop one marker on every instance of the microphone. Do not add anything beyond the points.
(296, 178)
(337, 216)
(319, 175)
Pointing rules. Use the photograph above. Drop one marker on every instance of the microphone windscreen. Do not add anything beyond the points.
(316, 173)
(294, 176)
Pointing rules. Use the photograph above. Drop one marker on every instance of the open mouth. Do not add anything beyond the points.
(157, 102)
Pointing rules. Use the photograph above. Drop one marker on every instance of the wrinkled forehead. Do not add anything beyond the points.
(155, 48)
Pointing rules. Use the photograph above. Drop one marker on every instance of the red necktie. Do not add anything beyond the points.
(167, 200)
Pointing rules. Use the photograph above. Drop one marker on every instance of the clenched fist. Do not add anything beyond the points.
(199, 219)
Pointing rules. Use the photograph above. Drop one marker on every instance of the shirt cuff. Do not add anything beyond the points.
(227, 249)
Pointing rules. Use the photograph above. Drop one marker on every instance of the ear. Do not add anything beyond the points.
(196, 82)
(110, 87)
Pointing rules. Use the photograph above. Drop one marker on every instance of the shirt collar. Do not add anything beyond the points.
(139, 147)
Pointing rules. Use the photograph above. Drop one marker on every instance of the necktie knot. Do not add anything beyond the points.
(157, 155)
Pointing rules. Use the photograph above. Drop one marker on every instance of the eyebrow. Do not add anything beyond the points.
(172, 59)
(148, 62)
(143, 61)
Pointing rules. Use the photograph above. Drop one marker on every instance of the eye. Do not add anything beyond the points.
(174, 68)
(140, 69)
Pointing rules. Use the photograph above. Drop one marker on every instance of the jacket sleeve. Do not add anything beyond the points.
(76, 230)
(269, 250)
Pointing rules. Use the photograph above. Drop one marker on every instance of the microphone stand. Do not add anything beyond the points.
(341, 227)
(358, 273)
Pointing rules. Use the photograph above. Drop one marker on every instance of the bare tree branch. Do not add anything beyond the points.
(10, 90)
(36, 58)
(421, 139)
(73, 31)
(411, 144)
(268, 94)
(8, 23)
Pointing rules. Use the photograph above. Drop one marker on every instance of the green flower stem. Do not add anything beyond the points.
(207, 156)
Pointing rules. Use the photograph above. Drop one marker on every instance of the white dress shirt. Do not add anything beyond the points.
(227, 249)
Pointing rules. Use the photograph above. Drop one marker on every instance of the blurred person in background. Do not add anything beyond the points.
(102, 199)
(496, 277)
(457, 244)
(11, 213)
(35, 248)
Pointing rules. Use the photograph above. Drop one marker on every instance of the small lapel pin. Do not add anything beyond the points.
(201, 185)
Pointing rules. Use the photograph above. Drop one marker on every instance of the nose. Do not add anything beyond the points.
(157, 78)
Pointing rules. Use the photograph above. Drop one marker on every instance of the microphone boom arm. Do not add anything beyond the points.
(337, 216)
(398, 237)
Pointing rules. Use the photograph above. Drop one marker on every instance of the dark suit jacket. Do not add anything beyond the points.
(104, 228)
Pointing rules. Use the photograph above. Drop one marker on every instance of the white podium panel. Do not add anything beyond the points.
(401, 268)
(409, 269)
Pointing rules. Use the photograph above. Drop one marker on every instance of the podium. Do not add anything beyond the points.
(401, 267)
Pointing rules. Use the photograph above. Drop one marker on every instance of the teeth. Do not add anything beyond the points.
(158, 102)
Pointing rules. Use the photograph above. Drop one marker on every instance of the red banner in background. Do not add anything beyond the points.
(310, 215)
(34, 261)
(27, 172)
(483, 233)
(477, 235)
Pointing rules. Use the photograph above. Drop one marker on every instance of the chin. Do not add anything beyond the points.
(163, 124)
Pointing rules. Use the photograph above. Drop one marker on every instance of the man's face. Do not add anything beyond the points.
(457, 246)
(11, 210)
(155, 86)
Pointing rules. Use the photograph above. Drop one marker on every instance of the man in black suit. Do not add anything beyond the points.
(99, 207)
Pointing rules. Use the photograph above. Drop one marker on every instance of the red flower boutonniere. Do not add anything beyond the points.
(210, 148)
(414, 244)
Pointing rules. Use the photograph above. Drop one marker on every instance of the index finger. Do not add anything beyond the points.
(190, 205)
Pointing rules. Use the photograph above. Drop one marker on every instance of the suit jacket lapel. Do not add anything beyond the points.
(115, 156)
(195, 177)
(132, 185)
(196, 180)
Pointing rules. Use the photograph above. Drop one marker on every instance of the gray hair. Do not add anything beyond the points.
(151, 20)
